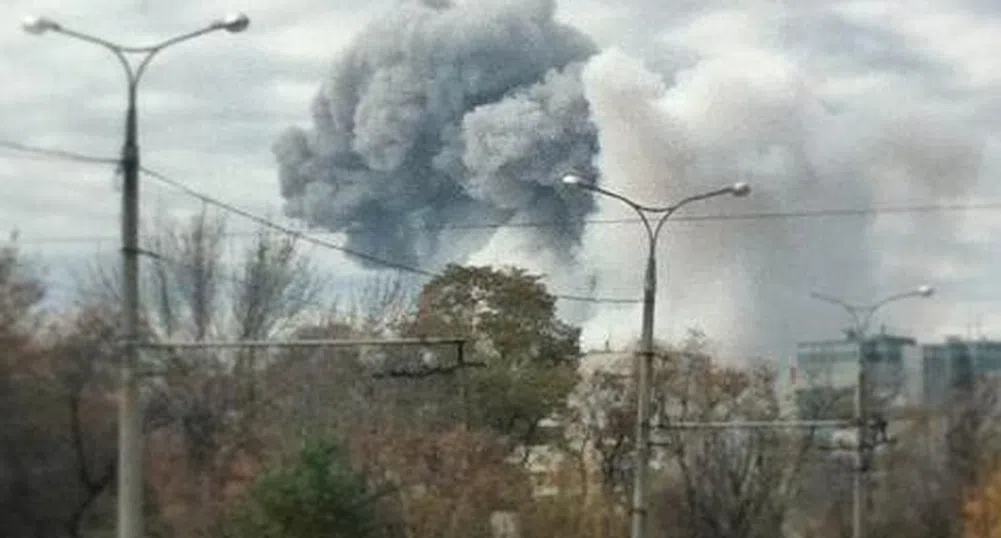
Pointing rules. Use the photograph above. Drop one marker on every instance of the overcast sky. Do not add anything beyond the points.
(212, 108)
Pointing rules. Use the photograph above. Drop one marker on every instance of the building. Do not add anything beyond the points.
(558, 467)
(825, 373)
(955, 365)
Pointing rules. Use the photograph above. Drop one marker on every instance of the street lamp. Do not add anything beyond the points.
(861, 316)
(642, 453)
(130, 483)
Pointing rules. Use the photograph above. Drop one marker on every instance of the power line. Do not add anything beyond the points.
(818, 213)
(310, 238)
(848, 212)
(56, 154)
(67, 155)
(97, 239)
(765, 215)
(334, 246)
(282, 228)
(204, 198)
(762, 215)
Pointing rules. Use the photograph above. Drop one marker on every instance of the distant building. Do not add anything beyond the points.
(825, 373)
(548, 464)
(955, 365)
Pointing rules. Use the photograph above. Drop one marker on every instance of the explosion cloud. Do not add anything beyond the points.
(444, 115)
(745, 282)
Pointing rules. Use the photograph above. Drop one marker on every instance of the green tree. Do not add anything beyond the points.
(509, 320)
(318, 494)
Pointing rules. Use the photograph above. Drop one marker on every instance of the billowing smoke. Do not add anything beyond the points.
(445, 115)
(746, 282)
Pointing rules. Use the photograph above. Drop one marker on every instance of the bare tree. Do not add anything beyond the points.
(600, 426)
(735, 483)
(203, 283)
(21, 293)
(730, 483)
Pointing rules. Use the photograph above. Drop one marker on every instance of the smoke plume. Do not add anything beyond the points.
(747, 282)
(445, 115)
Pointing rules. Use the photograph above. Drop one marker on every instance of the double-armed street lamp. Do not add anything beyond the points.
(861, 317)
(130, 451)
(641, 483)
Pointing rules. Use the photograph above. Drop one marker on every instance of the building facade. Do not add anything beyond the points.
(954, 366)
(824, 375)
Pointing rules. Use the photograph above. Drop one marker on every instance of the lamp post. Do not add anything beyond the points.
(641, 485)
(130, 453)
(861, 317)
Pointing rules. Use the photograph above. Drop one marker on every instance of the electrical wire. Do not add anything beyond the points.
(267, 223)
(56, 154)
(312, 239)
(225, 206)
(765, 215)
(204, 198)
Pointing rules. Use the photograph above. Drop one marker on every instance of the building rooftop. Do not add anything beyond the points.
(882, 337)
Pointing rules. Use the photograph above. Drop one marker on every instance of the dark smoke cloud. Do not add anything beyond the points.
(444, 114)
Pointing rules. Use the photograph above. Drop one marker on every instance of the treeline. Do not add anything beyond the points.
(428, 441)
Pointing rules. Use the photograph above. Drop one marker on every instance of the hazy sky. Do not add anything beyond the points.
(895, 104)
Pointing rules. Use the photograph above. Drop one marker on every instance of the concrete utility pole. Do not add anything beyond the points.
(641, 484)
(130, 450)
(861, 316)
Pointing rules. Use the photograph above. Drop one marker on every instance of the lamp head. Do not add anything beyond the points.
(572, 179)
(234, 22)
(740, 189)
(38, 25)
(925, 291)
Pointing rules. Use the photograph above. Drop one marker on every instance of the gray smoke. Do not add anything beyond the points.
(441, 115)
(747, 282)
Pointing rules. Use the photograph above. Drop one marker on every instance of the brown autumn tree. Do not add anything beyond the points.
(571, 514)
(940, 457)
(57, 451)
(417, 420)
(713, 482)
(730, 482)
(447, 483)
(22, 466)
(981, 511)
